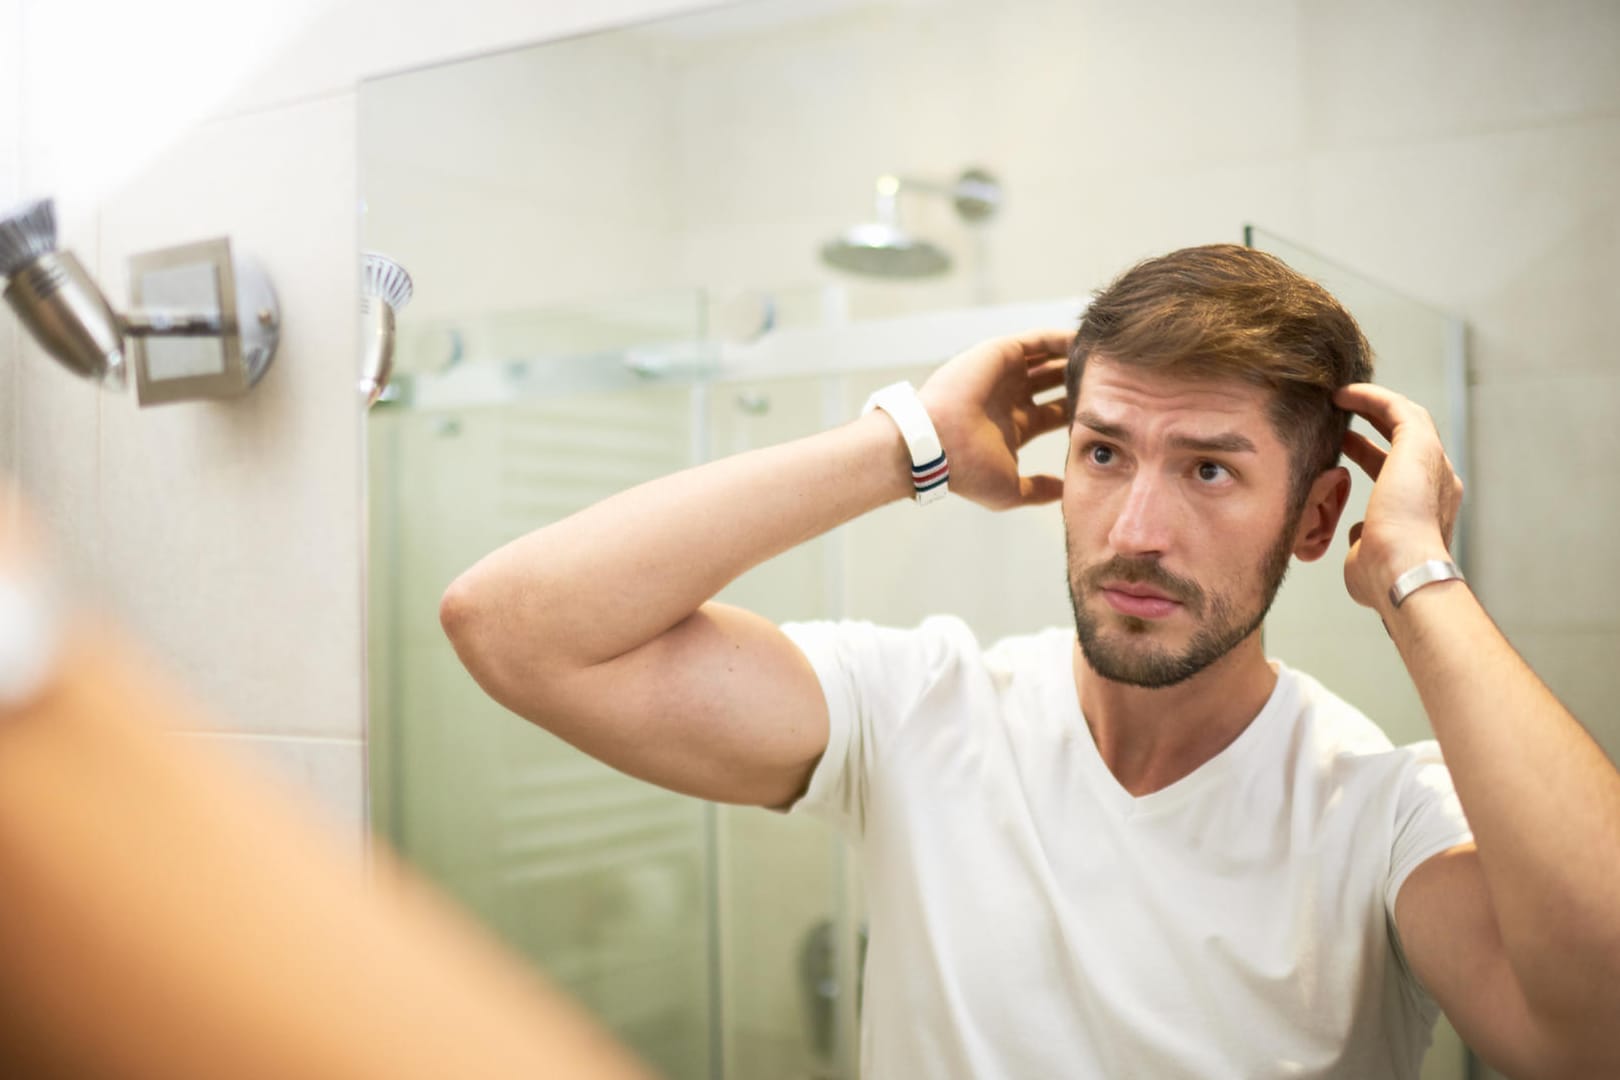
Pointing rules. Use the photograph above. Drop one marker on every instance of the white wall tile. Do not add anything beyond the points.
(231, 530)
(1543, 502)
(1180, 83)
(10, 99)
(548, 175)
(58, 416)
(326, 46)
(1462, 221)
(1553, 313)
(1392, 70)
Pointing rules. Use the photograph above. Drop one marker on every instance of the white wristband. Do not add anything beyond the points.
(930, 472)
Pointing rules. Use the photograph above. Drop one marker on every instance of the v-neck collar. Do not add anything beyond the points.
(1231, 758)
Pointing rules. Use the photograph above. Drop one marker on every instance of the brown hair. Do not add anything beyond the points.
(1229, 312)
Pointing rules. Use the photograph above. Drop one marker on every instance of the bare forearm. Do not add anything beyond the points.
(614, 576)
(1543, 800)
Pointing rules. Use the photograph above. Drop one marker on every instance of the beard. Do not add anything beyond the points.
(1130, 656)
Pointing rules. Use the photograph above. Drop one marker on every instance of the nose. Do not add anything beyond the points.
(1143, 523)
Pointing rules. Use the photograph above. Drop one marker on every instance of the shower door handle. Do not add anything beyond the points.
(820, 984)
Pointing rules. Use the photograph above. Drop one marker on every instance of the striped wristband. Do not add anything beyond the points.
(930, 472)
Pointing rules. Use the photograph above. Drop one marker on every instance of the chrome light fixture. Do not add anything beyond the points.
(205, 325)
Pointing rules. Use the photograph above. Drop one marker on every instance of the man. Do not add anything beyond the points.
(1138, 848)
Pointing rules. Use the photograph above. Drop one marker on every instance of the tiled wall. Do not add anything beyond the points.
(228, 537)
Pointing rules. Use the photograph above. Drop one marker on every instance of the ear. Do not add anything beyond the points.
(1320, 518)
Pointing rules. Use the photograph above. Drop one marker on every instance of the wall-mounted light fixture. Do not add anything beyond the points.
(204, 322)
(385, 287)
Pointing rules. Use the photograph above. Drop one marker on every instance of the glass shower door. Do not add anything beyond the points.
(1419, 352)
(706, 937)
(603, 881)
(786, 972)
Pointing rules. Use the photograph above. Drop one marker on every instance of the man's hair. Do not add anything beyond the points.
(1228, 312)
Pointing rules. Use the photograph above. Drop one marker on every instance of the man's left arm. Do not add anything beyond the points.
(1518, 935)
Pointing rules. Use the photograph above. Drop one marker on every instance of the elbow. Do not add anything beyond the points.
(458, 612)
(468, 619)
(496, 641)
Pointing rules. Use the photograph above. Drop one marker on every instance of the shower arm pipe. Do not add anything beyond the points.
(889, 187)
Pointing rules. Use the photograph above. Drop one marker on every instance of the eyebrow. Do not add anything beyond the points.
(1228, 443)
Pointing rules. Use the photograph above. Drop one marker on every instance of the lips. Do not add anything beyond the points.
(1129, 598)
(1140, 591)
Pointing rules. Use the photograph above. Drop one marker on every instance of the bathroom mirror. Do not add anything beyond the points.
(616, 242)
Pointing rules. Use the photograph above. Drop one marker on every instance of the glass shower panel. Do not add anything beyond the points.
(1314, 625)
(603, 881)
(786, 996)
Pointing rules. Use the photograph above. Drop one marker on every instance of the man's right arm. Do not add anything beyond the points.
(600, 628)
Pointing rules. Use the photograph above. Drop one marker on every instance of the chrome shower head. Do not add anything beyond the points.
(55, 299)
(385, 280)
(882, 248)
(385, 287)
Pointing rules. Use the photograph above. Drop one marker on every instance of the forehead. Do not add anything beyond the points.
(1152, 403)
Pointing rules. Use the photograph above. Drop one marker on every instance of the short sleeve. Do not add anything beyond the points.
(1428, 817)
(872, 678)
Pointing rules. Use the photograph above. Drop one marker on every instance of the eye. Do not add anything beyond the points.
(1211, 471)
(1100, 453)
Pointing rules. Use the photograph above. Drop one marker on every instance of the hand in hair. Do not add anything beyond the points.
(983, 405)
(1415, 498)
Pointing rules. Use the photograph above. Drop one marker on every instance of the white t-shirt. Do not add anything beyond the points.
(1030, 918)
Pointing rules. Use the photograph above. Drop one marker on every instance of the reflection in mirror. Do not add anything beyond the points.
(618, 249)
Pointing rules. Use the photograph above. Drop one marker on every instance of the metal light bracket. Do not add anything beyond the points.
(203, 324)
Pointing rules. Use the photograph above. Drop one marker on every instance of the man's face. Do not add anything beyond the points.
(1174, 504)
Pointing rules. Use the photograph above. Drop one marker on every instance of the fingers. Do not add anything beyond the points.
(1045, 344)
(1051, 416)
(1048, 375)
(1361, 450)
(1034, 490)
(1381, 407)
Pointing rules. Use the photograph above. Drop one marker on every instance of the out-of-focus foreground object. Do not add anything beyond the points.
(164, 914)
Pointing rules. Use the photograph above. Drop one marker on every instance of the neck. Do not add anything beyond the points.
(1149, 739)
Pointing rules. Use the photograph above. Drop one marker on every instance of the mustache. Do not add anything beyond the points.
(1145, 572)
